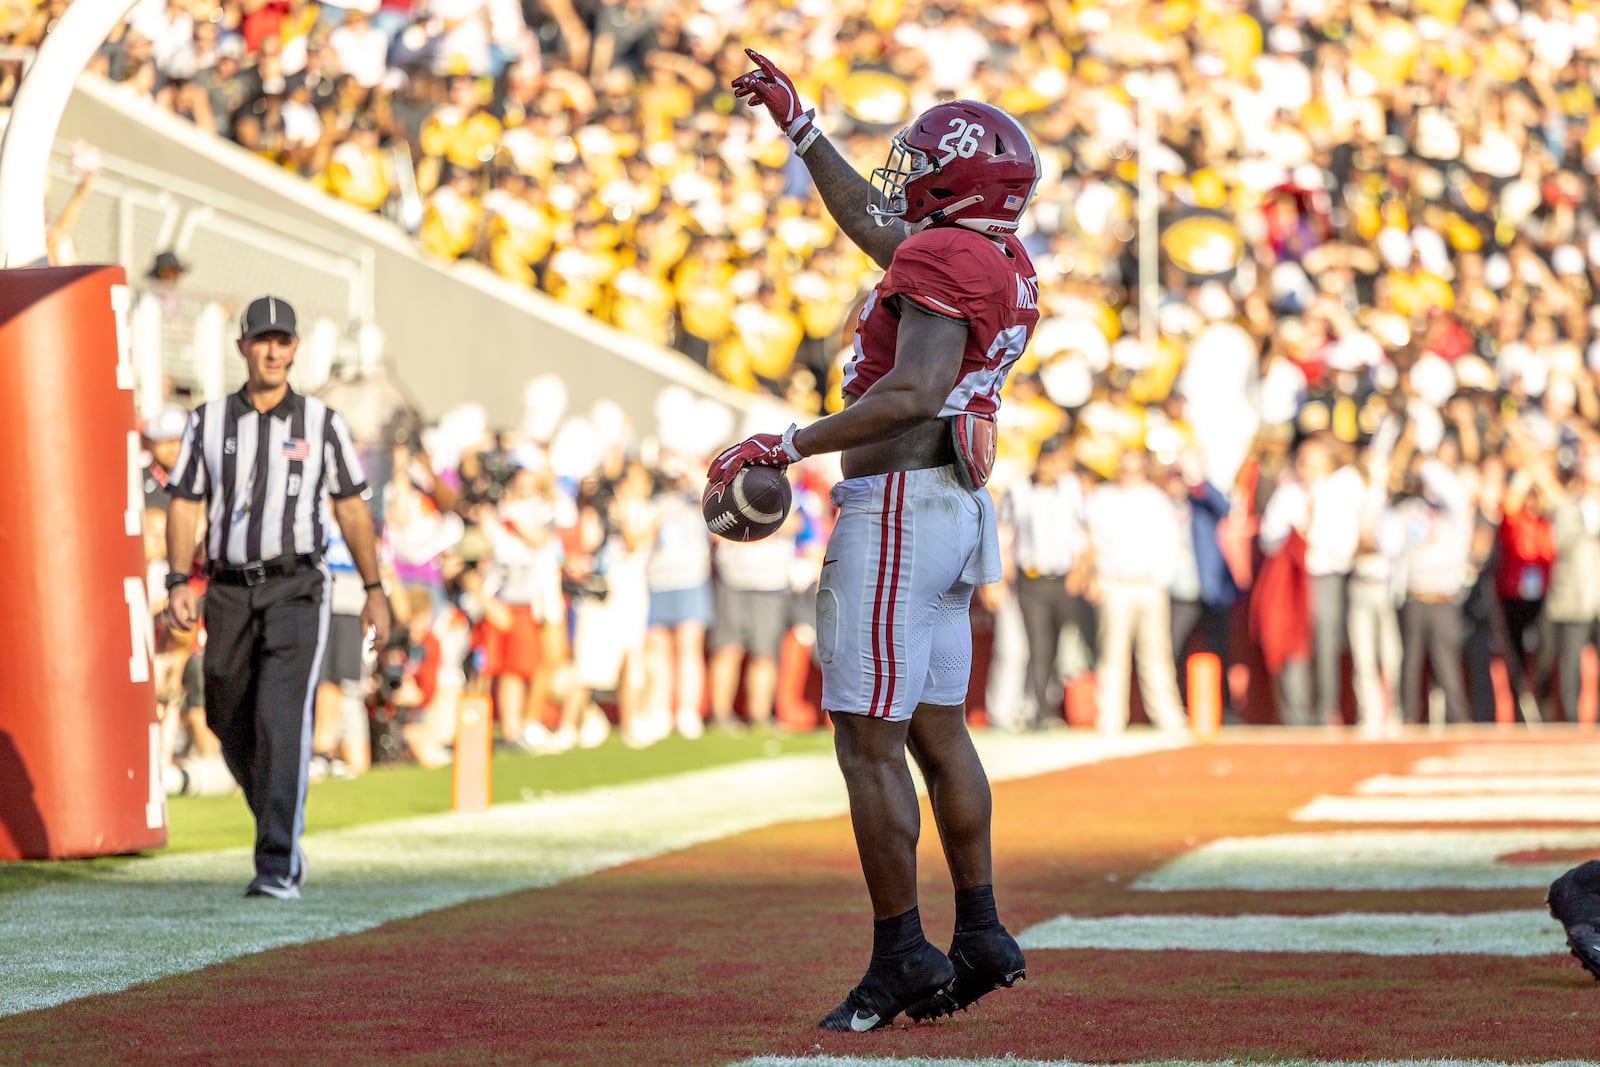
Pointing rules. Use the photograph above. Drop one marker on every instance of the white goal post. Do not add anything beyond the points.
(35, 116)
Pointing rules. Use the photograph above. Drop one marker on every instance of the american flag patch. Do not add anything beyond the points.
(296, 448)
(1013, 201)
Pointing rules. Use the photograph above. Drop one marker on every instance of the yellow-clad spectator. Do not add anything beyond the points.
(1114, 414)
(360, 172)
(632, 193)
(825, 294)
(1026, 418)
(759, 351)
(665, 229)
(639, 299)
(580, 268)
(705, 300)
(461, 131)
(531, 145)
(1237, 37)
(519, 228)
(452, 216)
(665, 100)
(602, 150)
(1415, 291)
(1389, 50)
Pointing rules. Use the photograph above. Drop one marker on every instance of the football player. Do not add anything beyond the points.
(916, 527)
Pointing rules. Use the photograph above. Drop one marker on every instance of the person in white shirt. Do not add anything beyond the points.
(1439, 514)
(1044, 518)
(1573, 604)
(750, 617)
(678, 571)
(1133, 541)
(1324, 502)
(1375, 590)
(362, 48)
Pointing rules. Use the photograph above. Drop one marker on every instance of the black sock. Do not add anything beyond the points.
(975, 909)
(897, 935)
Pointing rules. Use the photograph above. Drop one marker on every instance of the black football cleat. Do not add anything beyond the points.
(907, 985)
(984, 960)
(1574, 902)
(1584, 941)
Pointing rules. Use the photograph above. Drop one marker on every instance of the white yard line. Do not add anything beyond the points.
(167, 915)
(1372, 860)
(1529, 932)
(1406, 785)
(1572, 758)
(1519, 808)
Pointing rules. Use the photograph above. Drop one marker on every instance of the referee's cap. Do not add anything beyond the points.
(267, 314)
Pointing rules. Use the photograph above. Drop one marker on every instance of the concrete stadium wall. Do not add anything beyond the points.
(455, 333)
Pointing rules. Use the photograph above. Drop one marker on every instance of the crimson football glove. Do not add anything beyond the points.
(773, 89)
(758, 450)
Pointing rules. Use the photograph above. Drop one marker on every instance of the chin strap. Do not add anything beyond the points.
(933, 218)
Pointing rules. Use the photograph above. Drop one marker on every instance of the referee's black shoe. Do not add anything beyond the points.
(299, 879)
(279, 888)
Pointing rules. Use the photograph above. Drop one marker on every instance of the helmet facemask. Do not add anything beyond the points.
(908, 165)
(904, 165)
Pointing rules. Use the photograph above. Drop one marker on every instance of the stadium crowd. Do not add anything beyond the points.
(1363, 399)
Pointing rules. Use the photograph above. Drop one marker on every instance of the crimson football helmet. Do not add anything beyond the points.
(960, 162)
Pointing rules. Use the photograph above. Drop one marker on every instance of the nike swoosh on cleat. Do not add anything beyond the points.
(862, 1023)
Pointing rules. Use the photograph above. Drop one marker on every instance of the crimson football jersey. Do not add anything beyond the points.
(960, 274)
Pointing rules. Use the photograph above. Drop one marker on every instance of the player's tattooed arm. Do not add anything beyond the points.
(847, 194)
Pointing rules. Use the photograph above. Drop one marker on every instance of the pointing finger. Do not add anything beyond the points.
(767, 66)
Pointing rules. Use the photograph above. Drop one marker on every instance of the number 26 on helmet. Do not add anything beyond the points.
(962, 163)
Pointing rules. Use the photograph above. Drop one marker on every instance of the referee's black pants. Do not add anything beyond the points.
(264, 648)
(1048, 610)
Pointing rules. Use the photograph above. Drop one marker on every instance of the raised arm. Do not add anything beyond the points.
(845, 193)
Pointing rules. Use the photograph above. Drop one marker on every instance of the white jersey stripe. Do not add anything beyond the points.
(237, 547)
(277, 475)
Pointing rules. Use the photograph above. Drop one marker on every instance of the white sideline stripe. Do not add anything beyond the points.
(1512, 759)
(1471, 785)
(1524, 808)
(1371, 860)
(167, 915)
(1010, 1061)
(1528, 932)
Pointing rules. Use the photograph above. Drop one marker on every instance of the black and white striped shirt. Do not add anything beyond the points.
(263, 476)
(1048, 521)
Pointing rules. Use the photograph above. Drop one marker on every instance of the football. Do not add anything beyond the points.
(753, 505)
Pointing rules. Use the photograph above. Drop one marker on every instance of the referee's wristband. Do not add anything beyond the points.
(374, 587)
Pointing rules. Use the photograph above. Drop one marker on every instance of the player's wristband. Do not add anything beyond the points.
(374, 587)
(804, 143)
(175, 579)
(793, 450)
(804, 121)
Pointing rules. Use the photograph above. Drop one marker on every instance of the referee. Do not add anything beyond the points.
(259, 466)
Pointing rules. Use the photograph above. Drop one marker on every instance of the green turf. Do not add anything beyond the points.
(198, 824)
